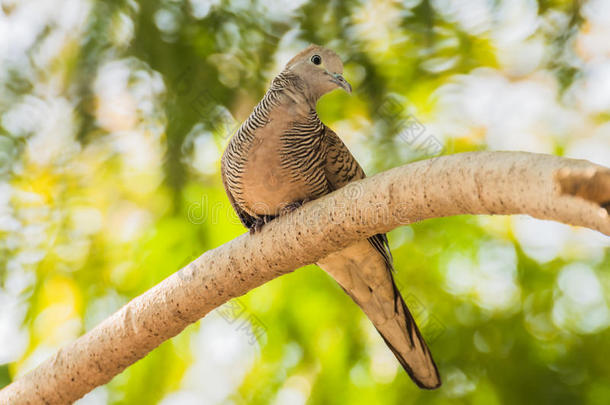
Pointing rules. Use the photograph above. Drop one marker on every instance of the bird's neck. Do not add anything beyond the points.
(294, 93)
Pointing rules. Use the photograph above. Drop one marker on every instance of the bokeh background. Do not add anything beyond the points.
(113, 116)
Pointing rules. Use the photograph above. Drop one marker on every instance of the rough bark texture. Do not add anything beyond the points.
(574, 192)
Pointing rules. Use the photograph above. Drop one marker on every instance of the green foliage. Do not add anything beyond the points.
(112, 121)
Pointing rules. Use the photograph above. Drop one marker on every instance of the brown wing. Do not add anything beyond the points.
(341, 166)
(341, 169)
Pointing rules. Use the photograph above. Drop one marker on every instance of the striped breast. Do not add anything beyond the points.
(276, 158)
(243, 143)
(303, 156)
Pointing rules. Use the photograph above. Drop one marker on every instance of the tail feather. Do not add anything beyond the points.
(363, 273)
(417, 343)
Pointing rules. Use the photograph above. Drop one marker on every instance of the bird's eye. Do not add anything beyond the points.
(316, 59)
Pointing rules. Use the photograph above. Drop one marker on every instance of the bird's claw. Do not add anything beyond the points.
(259, 222)
(288, 208)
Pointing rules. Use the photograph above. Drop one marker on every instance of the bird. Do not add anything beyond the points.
(281, 157)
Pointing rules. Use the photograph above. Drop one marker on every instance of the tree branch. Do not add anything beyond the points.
(574, 192)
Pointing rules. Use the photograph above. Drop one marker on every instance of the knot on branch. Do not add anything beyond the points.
(591, 184)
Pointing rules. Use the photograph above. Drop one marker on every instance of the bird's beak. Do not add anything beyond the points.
(341, 82)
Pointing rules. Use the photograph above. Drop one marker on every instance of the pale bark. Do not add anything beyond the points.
(574, 192)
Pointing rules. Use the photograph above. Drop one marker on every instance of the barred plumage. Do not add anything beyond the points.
(238, 149)
(282, 156)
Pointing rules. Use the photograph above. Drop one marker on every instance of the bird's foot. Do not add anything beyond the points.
(259, 222)
(288, 208)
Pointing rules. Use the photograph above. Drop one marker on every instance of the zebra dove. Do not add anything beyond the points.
(283, 156)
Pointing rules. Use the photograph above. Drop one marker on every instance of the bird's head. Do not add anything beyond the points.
(320, 69)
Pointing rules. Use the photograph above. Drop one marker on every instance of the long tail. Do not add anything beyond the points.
(364, 274)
